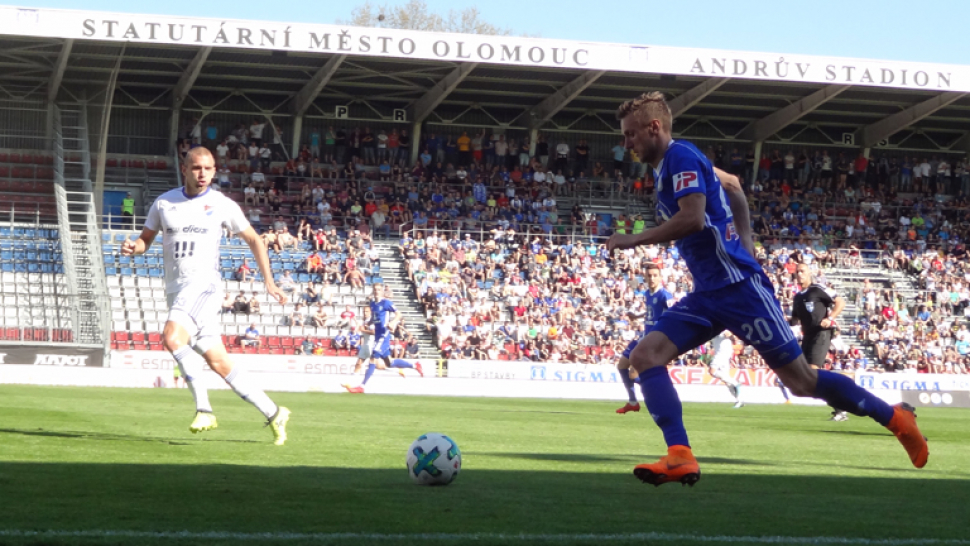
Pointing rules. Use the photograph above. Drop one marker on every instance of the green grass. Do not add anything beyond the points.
(115, 459)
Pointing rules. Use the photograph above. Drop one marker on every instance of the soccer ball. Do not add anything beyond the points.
(433, 459)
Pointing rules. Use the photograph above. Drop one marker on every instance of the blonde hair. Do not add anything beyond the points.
(198, 150)
(648, 107)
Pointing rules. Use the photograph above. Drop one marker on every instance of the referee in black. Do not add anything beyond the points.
(816, 307)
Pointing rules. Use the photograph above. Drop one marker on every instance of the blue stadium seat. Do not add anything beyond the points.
(141, 272)
(303, 277)
(155, 272)
(6, 267)
(110, 271)
(126, 271)
(139, 260)
(226, 275)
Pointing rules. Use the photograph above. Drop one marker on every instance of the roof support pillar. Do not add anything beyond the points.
(874, 133)
(772, 123)
(181, 91)
(551, 105)
(53, 87)
(688, 99)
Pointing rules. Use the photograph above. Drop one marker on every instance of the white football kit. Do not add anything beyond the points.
(191, 230)
(723, 352)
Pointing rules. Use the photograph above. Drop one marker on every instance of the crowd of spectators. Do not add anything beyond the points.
(528, 293)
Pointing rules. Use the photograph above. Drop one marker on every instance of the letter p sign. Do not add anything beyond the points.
(341, 112)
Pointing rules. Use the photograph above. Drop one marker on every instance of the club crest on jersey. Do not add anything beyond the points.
(685, 180)
(809, 306)
(208, 210)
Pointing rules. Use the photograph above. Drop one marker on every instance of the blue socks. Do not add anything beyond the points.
(370, 372)
(628, 384)
(398, 363)
(843, 394)
(664, 405)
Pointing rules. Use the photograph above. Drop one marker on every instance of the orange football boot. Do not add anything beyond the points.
(635, 406)
(678, 466)
(903, 425)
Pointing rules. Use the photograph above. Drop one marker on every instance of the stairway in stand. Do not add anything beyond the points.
(404, 297)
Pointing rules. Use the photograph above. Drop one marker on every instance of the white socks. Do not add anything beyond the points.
(240, 383)
(192, 364)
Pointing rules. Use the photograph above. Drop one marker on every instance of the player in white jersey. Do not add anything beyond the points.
(720, 365)
(190, 220)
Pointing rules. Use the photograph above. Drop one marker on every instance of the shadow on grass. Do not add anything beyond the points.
(588, 458)
(256, 499)
(115, 437)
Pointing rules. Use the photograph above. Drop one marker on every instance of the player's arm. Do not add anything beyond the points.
(135, 247)
(739, 207)
(688, 220)
(262, 260)
(838, 304)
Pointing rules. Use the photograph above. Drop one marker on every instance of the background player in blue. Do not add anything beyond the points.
(383, 317)
(657, 302)
(730, 292)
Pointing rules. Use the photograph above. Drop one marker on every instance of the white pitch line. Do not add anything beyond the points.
(478, 537)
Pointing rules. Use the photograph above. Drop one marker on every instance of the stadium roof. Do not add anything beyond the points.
(299, 70)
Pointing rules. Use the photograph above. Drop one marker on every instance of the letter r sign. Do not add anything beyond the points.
(400, 114)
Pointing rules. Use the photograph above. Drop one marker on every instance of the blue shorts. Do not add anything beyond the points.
(382, 345)
(748, 309)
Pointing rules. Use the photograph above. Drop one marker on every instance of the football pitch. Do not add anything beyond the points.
(118, 466)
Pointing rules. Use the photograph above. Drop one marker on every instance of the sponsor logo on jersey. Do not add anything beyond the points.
(685, 180)
(188, 229)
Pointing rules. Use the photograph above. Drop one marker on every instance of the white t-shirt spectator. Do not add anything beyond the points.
(256, 130)
(265, 152)
(222, 151)
(258, 177)
(562, 150)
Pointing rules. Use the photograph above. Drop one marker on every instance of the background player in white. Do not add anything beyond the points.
(191, 221)
(720, 365)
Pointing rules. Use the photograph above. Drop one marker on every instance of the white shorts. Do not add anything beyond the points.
(363, 352)
(196, 308)
(720, 367)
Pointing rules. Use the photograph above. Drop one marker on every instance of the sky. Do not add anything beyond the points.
(901, 30)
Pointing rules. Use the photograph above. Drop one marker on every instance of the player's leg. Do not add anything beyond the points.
(242, 384)
(815, 349)
(784, 390)
(401, 364)
(205, 313)
(680, 329)
(769, 331)
(719, 371)
(176, 336)
(623, 369)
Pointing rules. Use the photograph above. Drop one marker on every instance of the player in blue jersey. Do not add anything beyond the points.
(383, 319)
(731, 292)
(657, 302)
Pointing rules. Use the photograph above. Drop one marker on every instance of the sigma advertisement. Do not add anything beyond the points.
(582, 373)
(922, 390)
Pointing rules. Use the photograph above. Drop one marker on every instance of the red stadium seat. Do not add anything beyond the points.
(138, 337)
(156, 347)
(139, 347)
(154, 337)
(273, 341)
(287, 341)
(14, 158)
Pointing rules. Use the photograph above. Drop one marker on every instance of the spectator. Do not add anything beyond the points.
(251, 337)
(241, 304)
